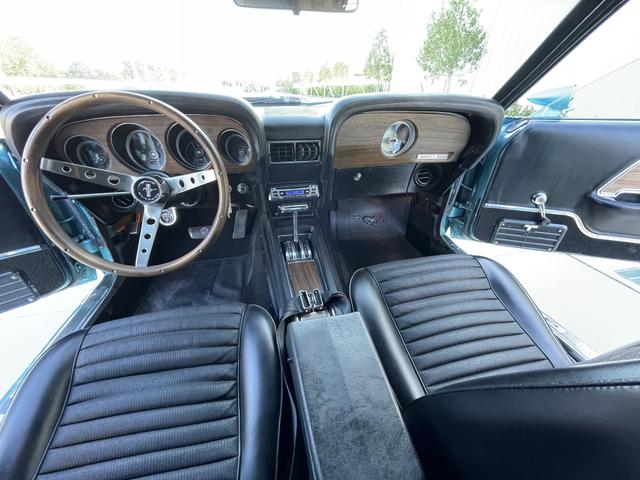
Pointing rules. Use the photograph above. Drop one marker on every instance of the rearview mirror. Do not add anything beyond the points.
(296, 6)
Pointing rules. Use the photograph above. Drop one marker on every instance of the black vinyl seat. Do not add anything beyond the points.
(485, 389)
(445, 319)
(189, 394)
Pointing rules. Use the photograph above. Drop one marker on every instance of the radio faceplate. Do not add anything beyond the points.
(297, 193)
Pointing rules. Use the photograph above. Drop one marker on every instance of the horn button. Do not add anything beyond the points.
(148, 190)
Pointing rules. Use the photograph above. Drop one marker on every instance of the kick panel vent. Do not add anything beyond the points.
(304, 151)
(424, 176)
(530, 235)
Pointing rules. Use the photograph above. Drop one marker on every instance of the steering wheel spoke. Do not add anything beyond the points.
(148, 233)
(97, 176)
(184, 183)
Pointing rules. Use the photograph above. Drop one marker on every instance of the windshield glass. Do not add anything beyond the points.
(458, 46)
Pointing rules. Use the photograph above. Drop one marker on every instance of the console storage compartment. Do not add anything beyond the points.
(351, 422)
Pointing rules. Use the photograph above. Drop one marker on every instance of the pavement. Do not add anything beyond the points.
(596, 299)
(26, 330)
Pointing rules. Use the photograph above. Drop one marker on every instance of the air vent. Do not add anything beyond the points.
(424, 176)
(305, 151)
(526, 234)
(123, 202)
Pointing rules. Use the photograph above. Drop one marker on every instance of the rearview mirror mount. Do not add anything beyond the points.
(297, 6)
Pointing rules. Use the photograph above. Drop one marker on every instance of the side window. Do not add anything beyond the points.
(598, 80)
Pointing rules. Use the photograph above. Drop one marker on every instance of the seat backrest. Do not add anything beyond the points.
(576, 422)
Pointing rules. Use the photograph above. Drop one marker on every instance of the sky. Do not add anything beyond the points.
(214, 40)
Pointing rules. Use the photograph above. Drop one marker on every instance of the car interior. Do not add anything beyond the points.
(279, 300)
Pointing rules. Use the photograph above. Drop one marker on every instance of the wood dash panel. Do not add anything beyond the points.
(359, 138)
(100, 129)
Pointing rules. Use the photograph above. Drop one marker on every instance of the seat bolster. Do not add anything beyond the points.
(260, 392)
(400, 370)
(35, 411)
(524, 311)
(576, 422)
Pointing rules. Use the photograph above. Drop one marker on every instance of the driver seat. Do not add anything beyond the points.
(193, 393)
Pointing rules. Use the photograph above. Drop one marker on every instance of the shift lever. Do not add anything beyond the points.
(295, 227)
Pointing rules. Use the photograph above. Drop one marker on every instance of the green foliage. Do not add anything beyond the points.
(454, 44)
(379, 65)
(340, 71)
(147, 72)
(18, 59)
(83, 71)
(325, 74)
(517, 110)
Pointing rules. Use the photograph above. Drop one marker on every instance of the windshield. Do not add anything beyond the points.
(458, 46)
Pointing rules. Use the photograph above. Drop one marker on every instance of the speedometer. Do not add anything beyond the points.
(145, 150)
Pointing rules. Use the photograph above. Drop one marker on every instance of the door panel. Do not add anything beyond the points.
(29, 267)
(587, 169)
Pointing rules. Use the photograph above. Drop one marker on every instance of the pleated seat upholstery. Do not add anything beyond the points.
(170, 395)
(451, 318)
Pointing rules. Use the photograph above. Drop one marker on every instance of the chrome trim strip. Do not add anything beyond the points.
(573, 216)
(21, 251)
(616, 177)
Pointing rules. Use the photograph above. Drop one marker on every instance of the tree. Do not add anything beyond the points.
(518, 111)
(454, 44)
(340, 71)
(324, 75)
(379, 64)
(18, 59)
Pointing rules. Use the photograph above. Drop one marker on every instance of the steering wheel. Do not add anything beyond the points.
(151, 191)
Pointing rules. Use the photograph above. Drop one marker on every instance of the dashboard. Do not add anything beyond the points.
(362, 145)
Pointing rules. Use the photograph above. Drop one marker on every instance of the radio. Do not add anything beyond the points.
(278, 194)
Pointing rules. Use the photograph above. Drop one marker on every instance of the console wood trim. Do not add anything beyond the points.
(304, 276)
(358, 139)
(100, 129)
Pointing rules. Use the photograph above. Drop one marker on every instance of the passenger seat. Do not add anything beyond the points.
(449, 318)
(485, 388)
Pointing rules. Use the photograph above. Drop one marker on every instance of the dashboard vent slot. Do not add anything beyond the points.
(282, 152)
(527, 234)
(424, 176)
(305, 151)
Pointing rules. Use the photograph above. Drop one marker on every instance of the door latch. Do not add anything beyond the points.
(539, 199)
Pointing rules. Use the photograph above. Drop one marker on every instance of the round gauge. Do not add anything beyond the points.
(235, 147)
(398, 138)
(145, 150)
(191, 152)
(186, 149)
(86, 151)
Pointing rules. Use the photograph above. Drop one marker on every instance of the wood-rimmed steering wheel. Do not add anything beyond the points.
(153, 192)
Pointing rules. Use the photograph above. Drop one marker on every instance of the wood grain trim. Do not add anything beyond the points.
(359, 137)
(628, 181)
(100, 128)
(304, 276)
